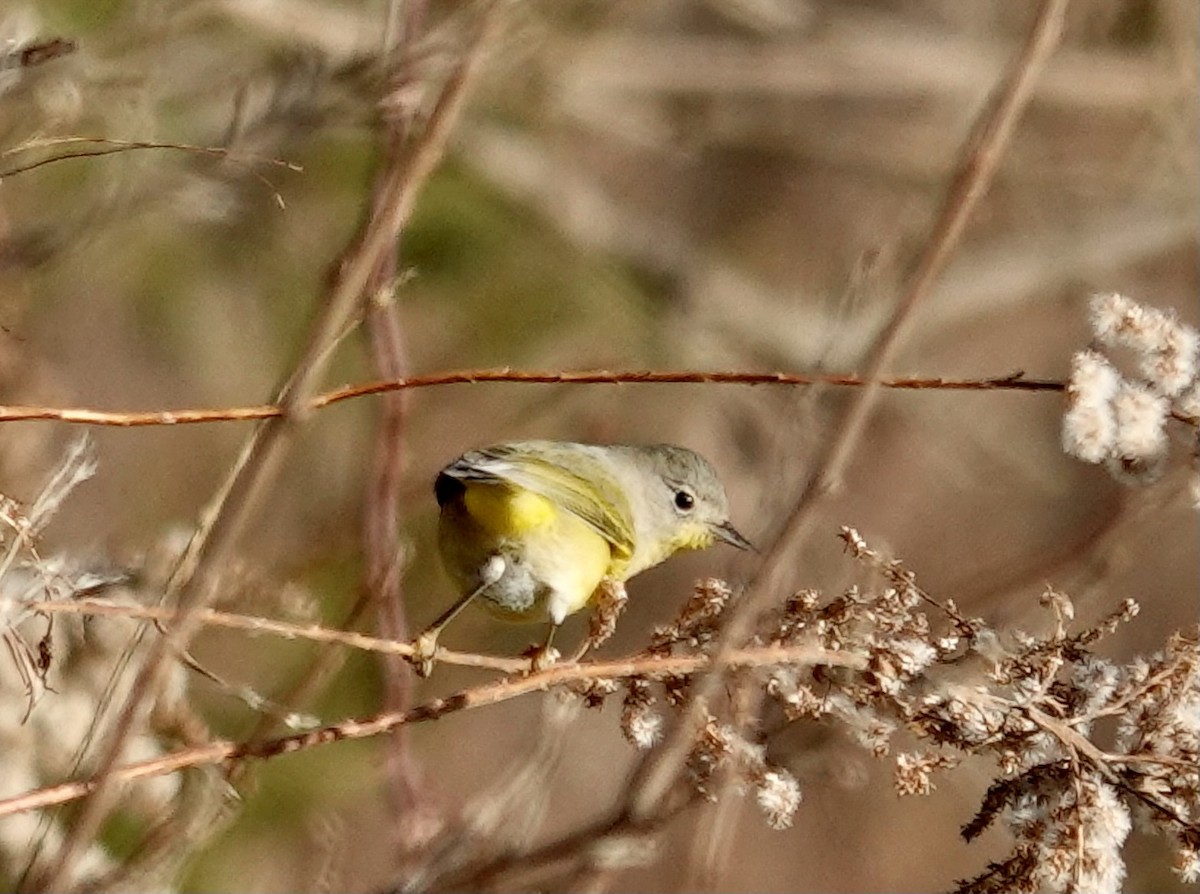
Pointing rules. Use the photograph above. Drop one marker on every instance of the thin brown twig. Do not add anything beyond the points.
(115, 147)
(258, 626)
(505, 689)
(191, 416)
(202, 801)
(713, 849)
(1079, 745)
(327, 663)
(559, 858)
(1081, 750)
(979, 159)
(381, 531)
(383, 546)
(195, 580)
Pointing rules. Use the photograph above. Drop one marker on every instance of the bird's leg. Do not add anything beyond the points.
(607, 604)
(545, 655)
(425, 645)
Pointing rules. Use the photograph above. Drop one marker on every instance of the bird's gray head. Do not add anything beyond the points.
(684, 505)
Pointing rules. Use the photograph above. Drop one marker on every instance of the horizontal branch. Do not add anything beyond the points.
(82, 416)
(256, 625)
(643, 666)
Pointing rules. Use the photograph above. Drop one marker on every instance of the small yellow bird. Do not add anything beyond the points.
(534, 527)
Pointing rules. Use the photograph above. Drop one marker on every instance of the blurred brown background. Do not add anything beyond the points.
(731, 184)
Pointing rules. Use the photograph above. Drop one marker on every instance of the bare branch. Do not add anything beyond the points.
(506, 689)
(129, 419)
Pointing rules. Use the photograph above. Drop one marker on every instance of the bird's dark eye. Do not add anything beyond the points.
(684, 501)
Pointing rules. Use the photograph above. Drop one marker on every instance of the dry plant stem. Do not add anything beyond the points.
(978, 162)
(1084, 750)
(193, 416)
(507, 815)
(324, 666)
(111, 146)
(661, 768)
(194, 582)
(115, 147)
(503, 690)
(259, 626)
(382, 537)
(713, 849)
(560, 859)
(1065, 561)
(381, 525)
(202, 802)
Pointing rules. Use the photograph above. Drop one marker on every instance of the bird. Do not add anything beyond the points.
(534, 529)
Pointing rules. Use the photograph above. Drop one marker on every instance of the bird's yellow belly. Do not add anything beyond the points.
(554, 560)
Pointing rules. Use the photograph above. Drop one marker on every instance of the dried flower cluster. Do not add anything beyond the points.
(959, 688)
(776, 791)
(693, 630)
(1120, 420)
(721, 745)
(55, 706)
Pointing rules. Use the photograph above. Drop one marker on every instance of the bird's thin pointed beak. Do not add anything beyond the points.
(729, 534)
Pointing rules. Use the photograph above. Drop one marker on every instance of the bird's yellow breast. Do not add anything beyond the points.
(564, 556)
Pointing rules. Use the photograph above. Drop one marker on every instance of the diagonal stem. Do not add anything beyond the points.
(979, 159)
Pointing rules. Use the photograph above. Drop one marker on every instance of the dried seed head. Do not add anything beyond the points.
(778, 796)
(1089, 425)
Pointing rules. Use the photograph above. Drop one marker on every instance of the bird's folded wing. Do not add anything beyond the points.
(577, 483)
